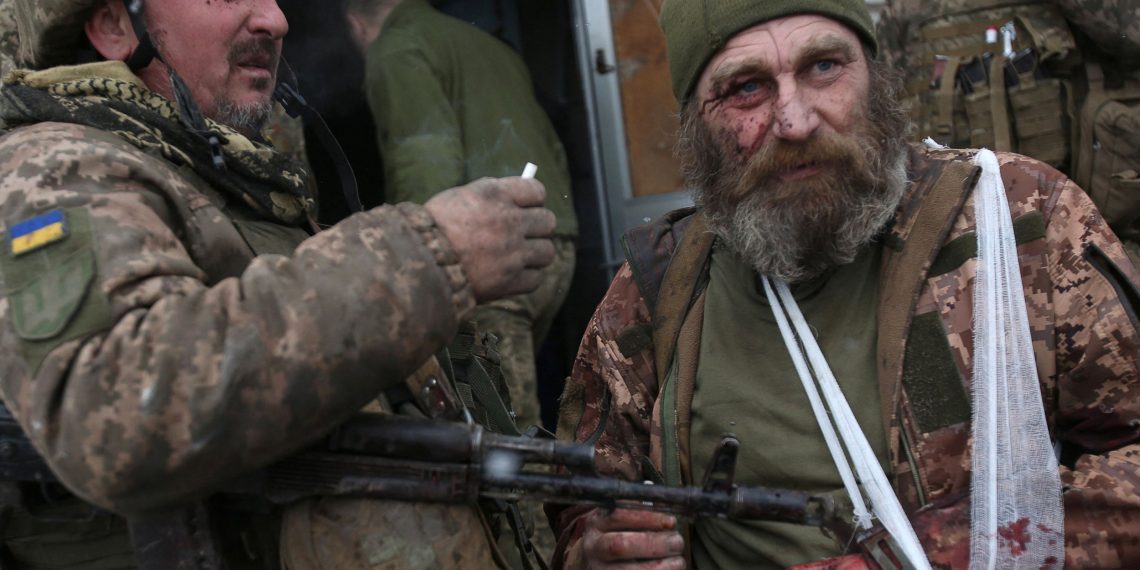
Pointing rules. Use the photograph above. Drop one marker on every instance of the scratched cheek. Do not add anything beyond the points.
(749, 133)
(740, 132)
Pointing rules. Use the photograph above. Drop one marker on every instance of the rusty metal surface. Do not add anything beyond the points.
(650, 111)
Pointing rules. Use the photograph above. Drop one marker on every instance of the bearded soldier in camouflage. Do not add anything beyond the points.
(793, 142)
(168, 319)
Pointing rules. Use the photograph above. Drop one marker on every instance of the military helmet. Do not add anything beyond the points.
(51, 31)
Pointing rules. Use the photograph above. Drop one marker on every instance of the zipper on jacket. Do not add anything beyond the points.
(913, 466)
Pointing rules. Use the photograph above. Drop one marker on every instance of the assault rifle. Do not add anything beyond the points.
(403, 458)
(397, 457)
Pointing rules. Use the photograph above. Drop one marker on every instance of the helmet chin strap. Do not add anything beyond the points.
(285, 93)
(146, 52)
(189, 112)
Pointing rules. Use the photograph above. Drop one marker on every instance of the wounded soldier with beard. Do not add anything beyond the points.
(947, 339)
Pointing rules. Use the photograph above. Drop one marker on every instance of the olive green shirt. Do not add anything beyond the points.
(746, 384)
(453, 104)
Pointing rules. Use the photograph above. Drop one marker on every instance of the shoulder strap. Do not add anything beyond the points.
(676, 291)
(905, 271)
(649, 248)
(478, 381)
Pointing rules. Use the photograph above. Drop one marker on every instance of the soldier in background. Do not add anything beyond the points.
(451, 104)
(1058, 80)
(168, 320)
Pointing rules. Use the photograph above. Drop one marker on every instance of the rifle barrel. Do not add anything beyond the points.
(742, 503)
(402, 437)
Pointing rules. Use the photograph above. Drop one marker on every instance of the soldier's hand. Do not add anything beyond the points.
(632, 539)
(500, 231)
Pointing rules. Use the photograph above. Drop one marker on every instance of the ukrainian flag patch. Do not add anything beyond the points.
(40, 231)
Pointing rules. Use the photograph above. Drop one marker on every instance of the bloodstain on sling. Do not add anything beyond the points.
(1015, 535)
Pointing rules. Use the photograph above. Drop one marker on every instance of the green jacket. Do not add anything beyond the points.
(453, 104)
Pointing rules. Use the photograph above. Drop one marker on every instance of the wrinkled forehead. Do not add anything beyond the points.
(780, 45)
(783, 41)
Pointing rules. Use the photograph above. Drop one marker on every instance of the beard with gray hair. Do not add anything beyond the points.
(247, 119)
(797, 230)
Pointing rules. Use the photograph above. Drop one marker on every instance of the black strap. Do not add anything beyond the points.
(295, 105)
(189, 112)
(192, 117)
(527, 551)
(146, 52)
(649, 248)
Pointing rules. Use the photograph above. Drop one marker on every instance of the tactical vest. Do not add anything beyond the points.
(1050, 98)
(466, 374)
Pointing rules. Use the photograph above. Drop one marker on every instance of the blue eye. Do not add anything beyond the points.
(749, 87)
(824, 65)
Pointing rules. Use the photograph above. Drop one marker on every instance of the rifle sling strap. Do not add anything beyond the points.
(477, 379)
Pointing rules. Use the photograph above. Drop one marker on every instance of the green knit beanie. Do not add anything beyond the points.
(695, 30)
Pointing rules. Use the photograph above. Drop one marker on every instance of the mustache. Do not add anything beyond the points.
(261, 52)
(823, 149)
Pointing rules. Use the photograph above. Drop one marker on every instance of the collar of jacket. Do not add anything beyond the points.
(108, 96)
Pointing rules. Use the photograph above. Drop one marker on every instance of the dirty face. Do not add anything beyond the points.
(793, 145)
(785, 80)
(227, 52)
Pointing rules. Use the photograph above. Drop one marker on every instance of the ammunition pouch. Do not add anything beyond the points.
(1051, 99)
(963, 92)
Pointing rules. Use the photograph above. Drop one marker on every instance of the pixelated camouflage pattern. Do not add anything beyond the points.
(9, 39)
(286, 134)
(51, 30)
(521, 323)
(367, 534)
(108, 96)
(1087, 347)
(213, 361)
(1113, 25)
(898, 17)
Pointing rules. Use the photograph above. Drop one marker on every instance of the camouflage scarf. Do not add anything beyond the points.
(109, 97)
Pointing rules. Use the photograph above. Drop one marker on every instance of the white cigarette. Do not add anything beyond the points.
(530, 170)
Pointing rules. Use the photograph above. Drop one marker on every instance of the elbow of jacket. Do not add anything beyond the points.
(127, 489)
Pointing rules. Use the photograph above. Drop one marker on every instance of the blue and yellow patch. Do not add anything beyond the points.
(40, 231)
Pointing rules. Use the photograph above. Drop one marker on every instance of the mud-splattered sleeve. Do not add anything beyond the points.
(1098, 383)
(156, 386)
(614, 366)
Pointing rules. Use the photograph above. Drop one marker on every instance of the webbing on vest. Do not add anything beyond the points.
(904, 273)
(478, 380)
(677, 289)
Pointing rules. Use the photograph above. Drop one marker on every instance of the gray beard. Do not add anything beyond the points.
(772, 239)
(795, 231)
(248, 119)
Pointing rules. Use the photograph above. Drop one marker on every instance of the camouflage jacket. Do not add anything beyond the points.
(1082, 303)
(171, 336)
(1112, 25)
